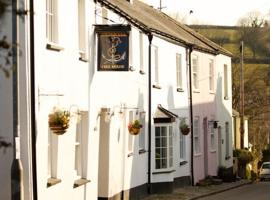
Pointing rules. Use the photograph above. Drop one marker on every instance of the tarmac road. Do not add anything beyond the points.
(255, 191)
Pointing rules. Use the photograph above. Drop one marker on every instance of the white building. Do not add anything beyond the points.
(97, 157)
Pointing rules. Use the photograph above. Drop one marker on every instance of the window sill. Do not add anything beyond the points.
(80, 182)
(83, 57)
(53, 181)
(54, 47)
(197, 154)
(211, 92)
(226, 98)
(141, 151)
(184, 162)
(142, 72)
(196, 91)
(164, 172)
(213, 151)
(179, 90)
(157, 86)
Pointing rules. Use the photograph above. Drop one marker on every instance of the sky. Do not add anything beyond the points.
(213, 12)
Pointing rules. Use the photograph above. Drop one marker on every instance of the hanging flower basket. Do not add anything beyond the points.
(184, 128)
(59, 121)
(134, 127)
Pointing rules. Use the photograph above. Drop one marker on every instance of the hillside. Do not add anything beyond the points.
(229, 37)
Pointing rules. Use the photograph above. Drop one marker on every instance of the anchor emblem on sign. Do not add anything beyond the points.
(111, 52)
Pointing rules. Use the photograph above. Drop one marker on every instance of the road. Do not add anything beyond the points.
(255, 191)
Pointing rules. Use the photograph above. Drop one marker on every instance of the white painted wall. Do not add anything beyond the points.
(171, 99)
(224, 106)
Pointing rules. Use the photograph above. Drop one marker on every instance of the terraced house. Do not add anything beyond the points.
(115, 63)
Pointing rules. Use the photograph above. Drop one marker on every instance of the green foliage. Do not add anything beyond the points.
(244, 156)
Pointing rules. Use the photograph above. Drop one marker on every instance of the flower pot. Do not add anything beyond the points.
(185, 131)
(58, 130)
(134, 131)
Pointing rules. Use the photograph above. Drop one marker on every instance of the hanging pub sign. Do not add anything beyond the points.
(113, 47)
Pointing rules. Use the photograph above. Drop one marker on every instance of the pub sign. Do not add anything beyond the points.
(113, 49)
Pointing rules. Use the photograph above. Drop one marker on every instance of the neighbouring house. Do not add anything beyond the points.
(237, 133)
(113, 63)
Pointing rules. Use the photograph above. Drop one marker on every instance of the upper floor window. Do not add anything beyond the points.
(195, 72)
(81, 26)
(141, 53)
(155, 64)
(211, 75)
(163, 146)
(179, 73)
(52, 21)
(226, 82)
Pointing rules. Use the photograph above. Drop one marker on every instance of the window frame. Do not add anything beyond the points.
(196, 135)
(227, 139)
(168, 147)
(179, 72)
(195, 72)
(211, 76)
(52, 32)
(182, 144)
(142, 140)
(225, 82)
(155, 62)
(82, 30)
(212, 135)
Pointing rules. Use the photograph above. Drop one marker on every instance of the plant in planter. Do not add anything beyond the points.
(134, 127)
(184, 128)
(59, 121)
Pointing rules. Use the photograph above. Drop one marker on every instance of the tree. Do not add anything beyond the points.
(250, 29)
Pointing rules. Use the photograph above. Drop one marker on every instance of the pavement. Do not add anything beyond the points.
(196, 192)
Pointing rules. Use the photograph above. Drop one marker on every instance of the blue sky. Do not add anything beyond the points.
(214, 12)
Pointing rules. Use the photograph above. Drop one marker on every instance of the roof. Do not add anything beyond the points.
(163, 115)
(153, 21)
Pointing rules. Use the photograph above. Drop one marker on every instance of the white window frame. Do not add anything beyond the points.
(82, 31)
(226, 87)
(211, 76)
(141, 52)
(196, 135)
(142, 131)
(212, 135)
(81, 141)
(195, 72)
(131, 118)
(52, 155)
(168, 149)
(182, 144)
(179, 72)
(227, 137)
(52, 21)
(156, 65)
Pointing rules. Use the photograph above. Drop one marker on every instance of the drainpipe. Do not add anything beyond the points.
(32, 90)
(150, 37)
(16, 168)
(190, 49)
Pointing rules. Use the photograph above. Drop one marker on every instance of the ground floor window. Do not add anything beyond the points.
(163, 146)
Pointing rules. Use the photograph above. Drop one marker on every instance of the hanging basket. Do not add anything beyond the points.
(58, 130)
(134, 131)
(185, 131)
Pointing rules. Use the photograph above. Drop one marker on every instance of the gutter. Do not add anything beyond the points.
(32, 91)
(150, 37)
(190, 49)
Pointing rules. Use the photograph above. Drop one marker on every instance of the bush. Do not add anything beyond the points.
(244, 156)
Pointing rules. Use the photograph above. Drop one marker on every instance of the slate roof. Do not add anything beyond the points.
(151, 20)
